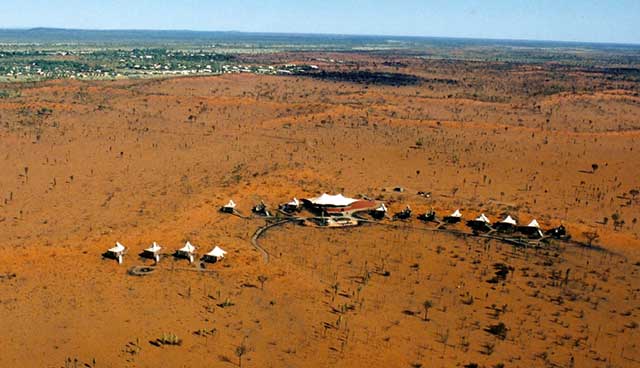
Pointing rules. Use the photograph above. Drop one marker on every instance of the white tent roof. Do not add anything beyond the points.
(456, 213)
(217, 252)
(381, 208)
(509, 220)
(483, 218)
(188, 248)
(534, 223)
(231, 204)
(295, 202)
(332, 200)
(118, 248)
(155, 247)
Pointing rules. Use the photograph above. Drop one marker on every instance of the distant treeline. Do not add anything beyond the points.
(367, 77)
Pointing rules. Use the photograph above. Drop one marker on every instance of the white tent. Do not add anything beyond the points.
(119, 248)
(294, 203)
(509, 221)
(188, 251)
(154, 248)
(188, 248)
(117, 251)
(217, 253)
(231, 204)
(381, 208)
(534, 223)
(483, 218)
(332, 200)
(456, 213)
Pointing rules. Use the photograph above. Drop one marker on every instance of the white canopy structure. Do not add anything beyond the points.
(188, 251)
(508, 221)
(381, 208)
(188, 248)
(217, 253)
(483, 218)
(117, 251)
(119, 248)
(231, 204)
(534, 223)
(337, 200)
(154, 248)
(456, 213)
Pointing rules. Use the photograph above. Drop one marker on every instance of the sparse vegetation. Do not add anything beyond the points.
(88, 163)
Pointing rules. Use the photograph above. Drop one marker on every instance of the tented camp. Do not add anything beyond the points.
(153, 252)
(507, 225)
(117, 252)
(230, 207)
(481, 223)
(188, 252)
(453, 218)
(532, 229)
(215, 255)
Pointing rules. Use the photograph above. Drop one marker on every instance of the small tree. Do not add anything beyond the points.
(615, 216)
(617, 221)
(240, 351)
(443, 338)
(594, 167)
(427, 304)
(591, 236)
(262, 279)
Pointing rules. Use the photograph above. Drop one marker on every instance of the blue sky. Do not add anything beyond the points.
(566, 20)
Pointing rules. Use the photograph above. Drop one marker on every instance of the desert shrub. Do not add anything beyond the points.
(488, 348)
(227, 303)
(499, 330)
(502, 270)
(167, 339)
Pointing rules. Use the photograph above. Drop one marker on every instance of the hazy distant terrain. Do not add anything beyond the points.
(98, 144)
(425, 46)
(46, 53)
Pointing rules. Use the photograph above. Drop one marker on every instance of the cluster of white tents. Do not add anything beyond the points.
(507, 223)
(188, 251)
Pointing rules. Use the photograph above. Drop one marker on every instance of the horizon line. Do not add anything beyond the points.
(31, 28)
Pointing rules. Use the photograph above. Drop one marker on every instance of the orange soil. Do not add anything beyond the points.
(151, 160)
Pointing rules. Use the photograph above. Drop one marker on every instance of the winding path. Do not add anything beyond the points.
(520, 242)
(261, 230)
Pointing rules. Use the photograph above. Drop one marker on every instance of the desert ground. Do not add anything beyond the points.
(87, 163)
